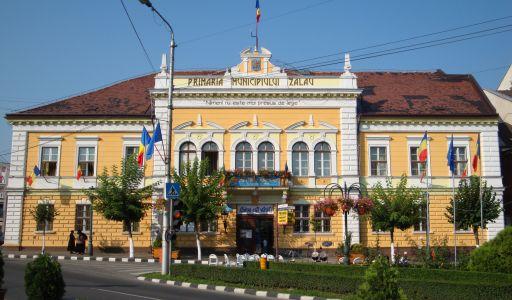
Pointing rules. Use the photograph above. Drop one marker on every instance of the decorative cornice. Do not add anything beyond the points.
(259, 95)
(433, 121)
(80, 122)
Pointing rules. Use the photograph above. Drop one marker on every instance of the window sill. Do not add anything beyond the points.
(421, 232)
(193, 232)
(380, 233)
(45, 232)
(312, 233)
(133, 233)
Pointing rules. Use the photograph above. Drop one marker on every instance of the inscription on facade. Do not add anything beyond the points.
(255, 81)
(242, 81)
(205, 81)
(251, 103)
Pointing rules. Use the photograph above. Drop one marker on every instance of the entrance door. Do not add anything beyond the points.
(255, 234)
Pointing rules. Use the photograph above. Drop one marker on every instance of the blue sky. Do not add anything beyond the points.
(52, 49)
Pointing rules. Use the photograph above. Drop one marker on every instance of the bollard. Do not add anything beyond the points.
(263, 263)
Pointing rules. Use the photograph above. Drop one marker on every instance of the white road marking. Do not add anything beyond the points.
(126, 294)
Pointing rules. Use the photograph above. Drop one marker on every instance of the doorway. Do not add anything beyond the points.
(254, 234)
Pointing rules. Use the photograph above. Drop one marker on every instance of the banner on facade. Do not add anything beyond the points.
(282, 217)
(255, 210)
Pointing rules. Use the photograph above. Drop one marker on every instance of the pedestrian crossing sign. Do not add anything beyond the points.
(172, 190)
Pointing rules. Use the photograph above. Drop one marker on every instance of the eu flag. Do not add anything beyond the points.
(450, 157)
(157, 137)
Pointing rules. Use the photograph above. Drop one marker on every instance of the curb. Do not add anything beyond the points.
(86, 258)
(227, 289)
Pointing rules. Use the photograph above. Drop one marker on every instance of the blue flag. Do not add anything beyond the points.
(450, 157)
(157, 137)
(37, 172)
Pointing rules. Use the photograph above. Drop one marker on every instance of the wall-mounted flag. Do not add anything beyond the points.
(157, 137)
(450, 157)
(79, 173)
(144, 141)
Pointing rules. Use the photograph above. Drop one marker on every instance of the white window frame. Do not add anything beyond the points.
(329, 170)
(266, 156)
(309, 156)
(130, 141)
(460, 141)
(378, 141)
(83, 142)
(50, 141)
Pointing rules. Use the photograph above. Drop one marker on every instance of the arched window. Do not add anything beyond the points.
(243, 156)
(210, 151)
(187, 154)
(300, 160)
(322, 159)
(266, 156)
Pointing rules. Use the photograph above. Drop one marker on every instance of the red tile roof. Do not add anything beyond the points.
(384, 94)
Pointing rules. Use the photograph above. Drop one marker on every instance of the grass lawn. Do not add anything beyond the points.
(342, 281)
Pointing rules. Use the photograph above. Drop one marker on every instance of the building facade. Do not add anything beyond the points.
(258, 120)
(4, 176)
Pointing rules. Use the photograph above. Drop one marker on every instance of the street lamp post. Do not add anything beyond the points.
(89, 246)
(345, 194)
(168, 214)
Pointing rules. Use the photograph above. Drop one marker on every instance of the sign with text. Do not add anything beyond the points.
(282, 217)
(255, 210)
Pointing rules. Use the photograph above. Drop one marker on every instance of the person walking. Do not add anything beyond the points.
(71, 242)
(80, 243)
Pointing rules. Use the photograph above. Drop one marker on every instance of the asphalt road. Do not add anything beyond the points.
(104, 280)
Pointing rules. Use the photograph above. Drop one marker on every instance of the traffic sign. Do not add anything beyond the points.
(172, 190)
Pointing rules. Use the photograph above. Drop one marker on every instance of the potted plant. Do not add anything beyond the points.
(328, 206)
(339, 252)
(346, 203)
(157, 247)
(357, 251)
(363, 205)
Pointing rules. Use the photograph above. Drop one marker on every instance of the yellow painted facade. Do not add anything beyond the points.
(233, 108)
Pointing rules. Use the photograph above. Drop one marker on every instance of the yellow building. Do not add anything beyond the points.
(324, 127)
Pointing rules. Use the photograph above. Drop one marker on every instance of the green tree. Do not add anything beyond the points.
(44, 214)
(468, 206)
(119, 196)
(395, 207)
(43, 279)
(380, 282)
(202, 195)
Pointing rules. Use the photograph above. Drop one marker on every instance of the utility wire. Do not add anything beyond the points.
(138, 37)
(404, 40)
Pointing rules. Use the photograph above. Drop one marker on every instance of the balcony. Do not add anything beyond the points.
(263, 179)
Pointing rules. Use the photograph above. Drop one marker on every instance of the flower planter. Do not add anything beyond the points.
(329, 211)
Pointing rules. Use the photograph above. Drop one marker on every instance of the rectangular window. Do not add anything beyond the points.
(461, 160)
(86, 160)
(135, 226)
(130, 151)
(41, 225)
(378, 161)
(83, 217)
(49, 159)
(301, 218)
(203, 227)
(422, 224)
(417, 168)
(323, 222)
(1, 210)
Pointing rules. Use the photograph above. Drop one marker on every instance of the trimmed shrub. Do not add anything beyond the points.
(380, 282)
(43, 279)
(495, 255)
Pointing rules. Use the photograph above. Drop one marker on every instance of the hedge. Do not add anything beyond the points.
(405, 273)
(495, 255)
(419, 286)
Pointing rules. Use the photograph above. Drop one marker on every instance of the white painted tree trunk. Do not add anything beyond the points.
(392, 252)
(44, 238)
(198, 244)
(130, 240)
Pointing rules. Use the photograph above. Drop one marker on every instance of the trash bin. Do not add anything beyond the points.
(263, 263)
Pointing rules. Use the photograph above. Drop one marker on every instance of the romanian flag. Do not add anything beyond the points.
(144, 141)
(476, 157)
(422, 150)
(258, 11)
(79, 173)
(35, 172)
